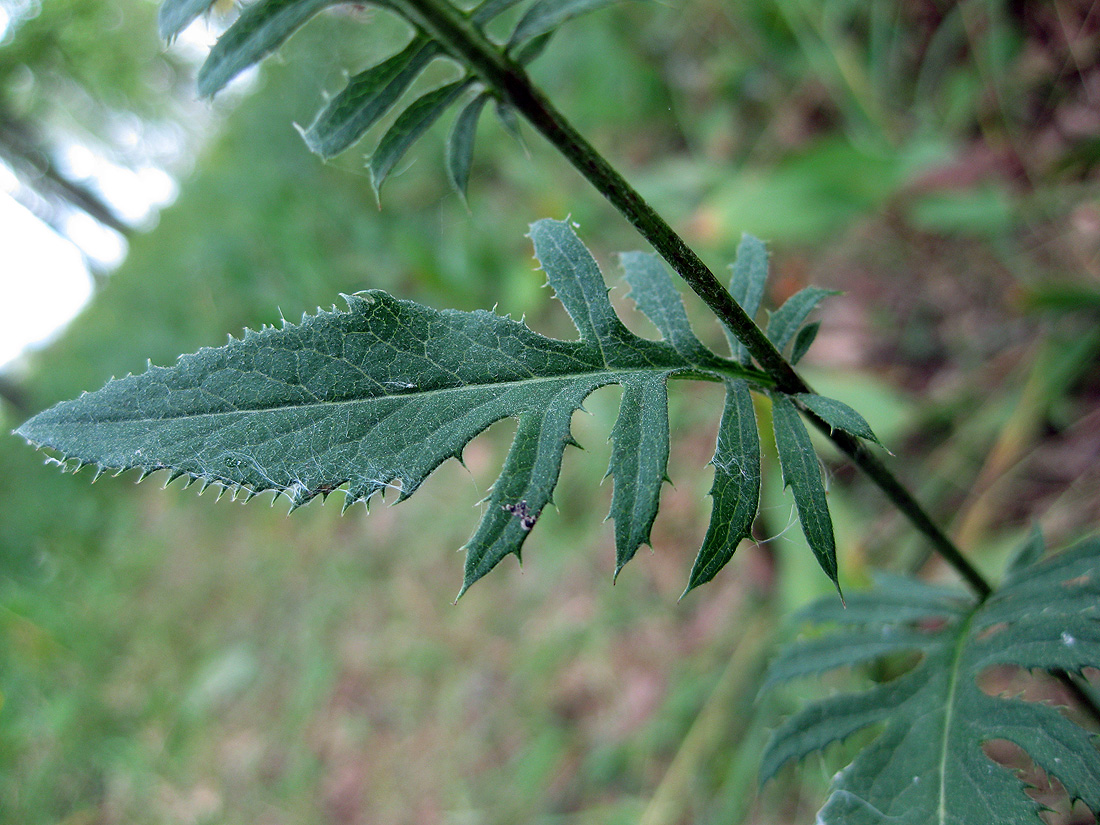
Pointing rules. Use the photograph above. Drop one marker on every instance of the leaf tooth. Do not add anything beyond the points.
(349, 500)
(230, 488)
(299, 495)
(172, 476)
(99, 471)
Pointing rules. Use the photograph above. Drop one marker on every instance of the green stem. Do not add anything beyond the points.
(468, 44)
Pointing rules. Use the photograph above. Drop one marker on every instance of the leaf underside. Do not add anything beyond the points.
(380, 394)
(927, 764)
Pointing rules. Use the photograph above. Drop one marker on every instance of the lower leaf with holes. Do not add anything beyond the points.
(928, 765)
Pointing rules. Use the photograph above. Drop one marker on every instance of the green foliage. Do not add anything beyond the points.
(927, 764)
(261, 28)
(265, 25)
(378, 395)
(58, 69)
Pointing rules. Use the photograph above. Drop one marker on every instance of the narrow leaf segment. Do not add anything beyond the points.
(409, 126)
(928, 765)
(546, 15)
(749, 278)
(838, 415)
(260, 30)
(366, 98)
(460, 143)
(380, 394)
(802, 473)
(735, 492)
(785, 321)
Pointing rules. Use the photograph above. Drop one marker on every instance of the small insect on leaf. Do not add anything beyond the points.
(526, 518)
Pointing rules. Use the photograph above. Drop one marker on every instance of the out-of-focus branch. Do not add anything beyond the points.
(29, 156)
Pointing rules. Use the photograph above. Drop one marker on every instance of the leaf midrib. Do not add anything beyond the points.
(573, 376)
(960, 645)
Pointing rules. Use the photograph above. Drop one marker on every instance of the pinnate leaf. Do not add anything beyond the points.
(379, 394)
(264, 25)
(374, 91)
(927, 765)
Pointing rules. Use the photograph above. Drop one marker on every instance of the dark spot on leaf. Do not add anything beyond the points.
(526, 518)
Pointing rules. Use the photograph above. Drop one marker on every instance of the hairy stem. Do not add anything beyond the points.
(468, 44)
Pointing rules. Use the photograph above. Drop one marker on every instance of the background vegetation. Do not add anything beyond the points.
(166, 658)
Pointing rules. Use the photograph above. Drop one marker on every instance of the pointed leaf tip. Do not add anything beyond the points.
(174, 16)
(839, 416)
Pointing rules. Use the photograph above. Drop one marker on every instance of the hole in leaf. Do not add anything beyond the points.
(1044, 789)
